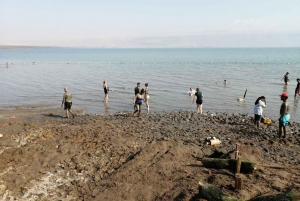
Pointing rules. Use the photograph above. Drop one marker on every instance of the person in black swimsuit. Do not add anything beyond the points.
(106, 89)
(286, 78)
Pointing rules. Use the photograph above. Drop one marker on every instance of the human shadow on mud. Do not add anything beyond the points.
(52, 115)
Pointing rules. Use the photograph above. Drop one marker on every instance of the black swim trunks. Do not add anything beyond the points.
(199, 102)
(68, 105)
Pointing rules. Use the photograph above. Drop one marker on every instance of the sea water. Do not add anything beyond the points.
(37, 76)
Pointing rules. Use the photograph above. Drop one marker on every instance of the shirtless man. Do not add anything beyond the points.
(284, 115)
(67, 101)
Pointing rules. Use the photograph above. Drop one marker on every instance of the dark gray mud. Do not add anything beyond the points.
(155, 157)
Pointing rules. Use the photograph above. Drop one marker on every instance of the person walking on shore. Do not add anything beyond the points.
(137, 101)
(106, 89)
(284, 115)
(146, 97)
(259, 104)
(286, 78)
(199, 100)
(67, 102)
(297, 90)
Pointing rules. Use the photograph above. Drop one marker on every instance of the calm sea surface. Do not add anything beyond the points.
(169, 72)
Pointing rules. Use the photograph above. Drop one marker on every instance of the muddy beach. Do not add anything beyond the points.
(155, 157)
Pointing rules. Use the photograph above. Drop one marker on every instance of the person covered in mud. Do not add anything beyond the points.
(297, 90)
(199, 100)
(146, 97)
(67, 102)
(286, 78)
(259, 104)
(137, 101)
(284, 115)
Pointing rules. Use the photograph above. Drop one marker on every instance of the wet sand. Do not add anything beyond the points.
(120, 157)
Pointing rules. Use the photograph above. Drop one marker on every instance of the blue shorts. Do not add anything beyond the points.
(285, 120)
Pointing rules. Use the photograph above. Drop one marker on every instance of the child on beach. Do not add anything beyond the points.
(260, 103)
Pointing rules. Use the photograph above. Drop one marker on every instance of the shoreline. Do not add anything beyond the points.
(117, 156)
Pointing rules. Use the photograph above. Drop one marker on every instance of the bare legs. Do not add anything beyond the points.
(67, 113)
(147, 105)
(105, 99)
(138, 108)
(257, 123)
(282, 129)
(199, 108)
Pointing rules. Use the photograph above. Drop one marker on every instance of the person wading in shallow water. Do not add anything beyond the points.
(199, 100)
(286, 78)
(284, 115)
(67, 101)
(137, 101)
(106, 89)
(146, 97)
(258, 109)
(137, 91)
(297, 90)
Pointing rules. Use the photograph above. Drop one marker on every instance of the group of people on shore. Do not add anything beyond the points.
(284, 118)
(142, 95)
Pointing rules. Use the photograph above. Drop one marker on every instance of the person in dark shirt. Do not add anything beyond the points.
(137, 88)
(136, 91)
(199, 100)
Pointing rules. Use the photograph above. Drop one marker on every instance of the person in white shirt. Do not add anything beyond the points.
(260, 103)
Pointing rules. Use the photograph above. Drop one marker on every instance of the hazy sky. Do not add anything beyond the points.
(155, 23)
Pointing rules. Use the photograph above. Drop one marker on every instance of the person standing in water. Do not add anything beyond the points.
(137, 101)
(199, 100)
(297, 90)
(136, 91)
(284, 115)
(106, 89)
(286, 78)
(67, 101)
(260, 103)
(146, 97)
